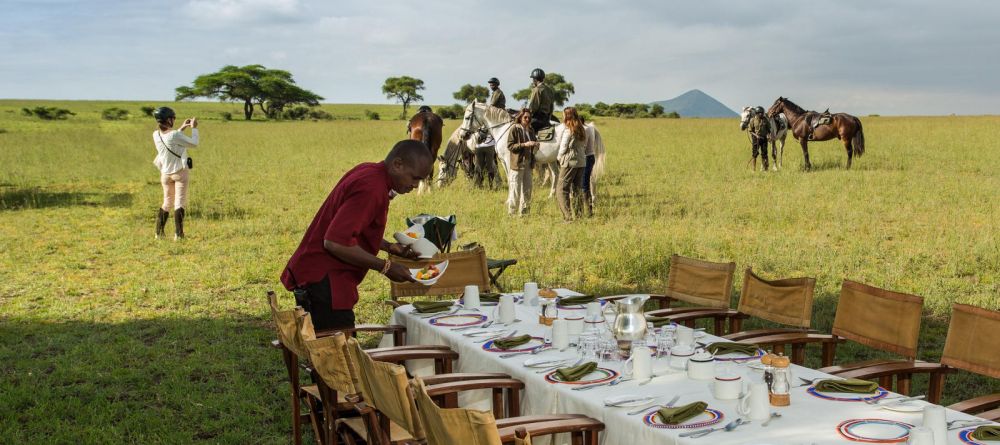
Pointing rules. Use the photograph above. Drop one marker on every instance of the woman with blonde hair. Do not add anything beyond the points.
(522, 144)
(572, 163)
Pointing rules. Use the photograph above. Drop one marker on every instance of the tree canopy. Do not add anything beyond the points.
(469, 93)
(269, 89)
(403, 89)
(558, 83)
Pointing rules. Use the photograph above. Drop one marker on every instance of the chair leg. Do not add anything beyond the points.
(498, 405)
(829, 353)
(935, 388)
(886, 382)
(513, 402)
(904, 383)
(778, 349)
(798, 354)
(293, 373)
(719, 326)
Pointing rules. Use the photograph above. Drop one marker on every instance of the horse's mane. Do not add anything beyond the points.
(497, 114)
(791, 105)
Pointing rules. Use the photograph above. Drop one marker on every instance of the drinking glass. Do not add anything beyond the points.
(664, 342)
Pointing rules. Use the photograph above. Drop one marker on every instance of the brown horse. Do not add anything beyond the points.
(842, 126)
(425, 126)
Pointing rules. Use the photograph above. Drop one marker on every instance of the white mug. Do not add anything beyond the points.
(471, 297)
(727, 387)
(575, 325)
(506, 309)
(755, 404)
(921, 435)
(594, 311)
(531, 293)
(684, 335)
(641, 363)
(701, 366)
(560, 334)
(679, 356)
(934, 419)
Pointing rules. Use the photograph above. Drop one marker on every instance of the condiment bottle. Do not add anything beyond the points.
(782, 381)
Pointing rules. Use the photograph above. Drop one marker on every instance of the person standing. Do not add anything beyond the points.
(522, 144)
(759, 129)
(497, 99)
(541, 101)
(588, 170)
(175, 166)
(572, 163)
(342, 242)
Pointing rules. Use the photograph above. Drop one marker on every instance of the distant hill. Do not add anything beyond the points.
(695, 103)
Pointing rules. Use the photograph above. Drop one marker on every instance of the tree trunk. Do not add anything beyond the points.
(248, 109)
(406, 104)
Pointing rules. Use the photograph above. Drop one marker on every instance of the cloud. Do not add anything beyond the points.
(229, 12)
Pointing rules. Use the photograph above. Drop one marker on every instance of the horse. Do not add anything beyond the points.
(425, 126)
(843, 126)
(779, 130)
(458, 153)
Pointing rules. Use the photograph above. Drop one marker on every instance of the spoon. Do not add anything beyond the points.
(769, 419)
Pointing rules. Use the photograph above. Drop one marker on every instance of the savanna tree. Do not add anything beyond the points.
(269, 89)
(469, 93)
(403, 89)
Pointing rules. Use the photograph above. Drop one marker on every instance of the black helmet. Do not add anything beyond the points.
(424, 109)
(537, 74)
(493, 80)
(759, 109)
(163, 113)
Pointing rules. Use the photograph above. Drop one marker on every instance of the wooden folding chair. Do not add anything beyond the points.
(464, 268)
(885, 320)
(974, 345)
(449, 426)
(705, 284)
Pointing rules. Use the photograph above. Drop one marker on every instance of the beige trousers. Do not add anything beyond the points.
(519, 194)
(175, 188)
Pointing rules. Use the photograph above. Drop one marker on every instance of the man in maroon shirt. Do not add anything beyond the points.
(346, 235)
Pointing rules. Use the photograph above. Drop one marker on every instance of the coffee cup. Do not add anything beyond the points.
(531, 293)
(679, 356)
(560, 334)
(755, 403)
(684, 335)
(471, 297)
(701, 366)
(575, 325)
(641, 363)
(727, 386)
(505, 309)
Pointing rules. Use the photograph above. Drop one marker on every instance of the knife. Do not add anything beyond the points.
(900, 400)
(632, 400)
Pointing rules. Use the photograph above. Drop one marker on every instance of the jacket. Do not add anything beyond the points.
(572, 151)
(542, 99)
(520, 157)
(497, 99)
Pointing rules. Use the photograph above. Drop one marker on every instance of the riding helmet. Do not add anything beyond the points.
(424, 109)
(493, 80)
(163, 113)
(537, 74)
(759, 109)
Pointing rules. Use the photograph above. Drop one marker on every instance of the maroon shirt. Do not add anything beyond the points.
(353, 215)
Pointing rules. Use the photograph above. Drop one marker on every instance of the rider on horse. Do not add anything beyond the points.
(497, 99)
(542, 101)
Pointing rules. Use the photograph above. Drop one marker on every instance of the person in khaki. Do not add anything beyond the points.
(497, 98)
(542, 100)
(572, 164)
(522, 144)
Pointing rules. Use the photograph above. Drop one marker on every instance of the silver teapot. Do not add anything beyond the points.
(630, 323)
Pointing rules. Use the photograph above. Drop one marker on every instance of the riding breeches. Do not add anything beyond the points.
(175, 189)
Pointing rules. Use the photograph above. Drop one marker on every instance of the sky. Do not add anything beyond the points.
(891, 57)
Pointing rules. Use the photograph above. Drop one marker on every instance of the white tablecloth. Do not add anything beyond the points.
(808, 420)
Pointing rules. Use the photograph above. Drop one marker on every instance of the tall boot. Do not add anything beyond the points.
(161, 221)
(179, 224)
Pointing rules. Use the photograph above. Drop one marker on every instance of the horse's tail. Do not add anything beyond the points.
(858, 141)
(599, 155)
(425, 132)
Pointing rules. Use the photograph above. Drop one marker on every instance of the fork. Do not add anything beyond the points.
(892, 400)
(956, 424)
(646, 409)
(546, 370)
(807, 382)
(439, 314)
(614, 382)
(701, 433)
(484, 325)
(533, 351)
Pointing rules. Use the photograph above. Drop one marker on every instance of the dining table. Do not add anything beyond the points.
(811, 417)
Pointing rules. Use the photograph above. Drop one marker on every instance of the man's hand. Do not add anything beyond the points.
(400, 274)
(401, 250)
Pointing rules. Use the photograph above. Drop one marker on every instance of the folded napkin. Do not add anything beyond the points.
(987, 432)
(580, 299)
(673, 416)
(511, 342)
(850, 385)
(489, 297)
(574, 373)
(728, 347)
(658, 321)
(430, 307)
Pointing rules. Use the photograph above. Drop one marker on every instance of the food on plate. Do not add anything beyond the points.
(428, 273)
(413, 235)
(547, 293)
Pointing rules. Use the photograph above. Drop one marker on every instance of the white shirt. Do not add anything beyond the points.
(178, 143)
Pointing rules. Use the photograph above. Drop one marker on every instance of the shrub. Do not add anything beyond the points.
(26, 112)
(672, 115)
(295, 113)
(226, 116)
(3, 130)
(48, 113)
(372, 116)
(320, 115)
(454, 111)
(656, 110)
(114, 114)
(147, 111)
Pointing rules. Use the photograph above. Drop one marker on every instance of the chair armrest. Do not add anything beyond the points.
(469, 385)
(554, 427)
(675, 311)
(978, 404)
(407, 348)
(894, 368)
(394, 304)
(521, 420)
(460, 376)
(413, 354)
(738, 336)
(397, 331)
(776, 337)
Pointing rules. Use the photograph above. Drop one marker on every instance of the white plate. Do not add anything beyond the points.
(642, 400)
(548, 362)
(699, 334)
(913, 406)
(442, 267)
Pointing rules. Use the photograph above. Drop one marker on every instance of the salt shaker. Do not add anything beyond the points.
(782, 385)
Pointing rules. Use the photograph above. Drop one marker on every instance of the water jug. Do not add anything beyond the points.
(630, 323)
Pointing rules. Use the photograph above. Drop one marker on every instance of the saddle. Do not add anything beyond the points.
(824, 118)
(546, 134)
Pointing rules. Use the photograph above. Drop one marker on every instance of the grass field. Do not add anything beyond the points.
(109, 336)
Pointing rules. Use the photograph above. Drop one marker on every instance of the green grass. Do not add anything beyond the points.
(107, 335)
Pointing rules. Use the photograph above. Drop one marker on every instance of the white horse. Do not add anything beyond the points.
(779, 129)
(498, 122)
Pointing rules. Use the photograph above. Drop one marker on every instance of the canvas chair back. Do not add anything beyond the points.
(973, 343)
(464, 268)
(447, 426)
(386, 388)
(328, 356)
(287, 323)
(700, 282)
(879, 318)
(788, 301)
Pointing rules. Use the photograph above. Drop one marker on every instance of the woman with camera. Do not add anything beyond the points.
(174, 164)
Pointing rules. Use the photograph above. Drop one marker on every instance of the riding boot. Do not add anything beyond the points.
(161, 221)
(179, 224)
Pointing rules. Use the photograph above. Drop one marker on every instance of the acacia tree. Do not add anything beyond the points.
(558, 83)
(403, 89)
(470, 93)
(269, 89)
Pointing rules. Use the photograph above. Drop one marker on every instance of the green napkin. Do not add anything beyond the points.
(489, 297)
(987, 432)
(850, 385)
(511, 342)
(658, 321)
(728, 347)
(581, 299)
(574, 373)
(673, 416)
(430, 307)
